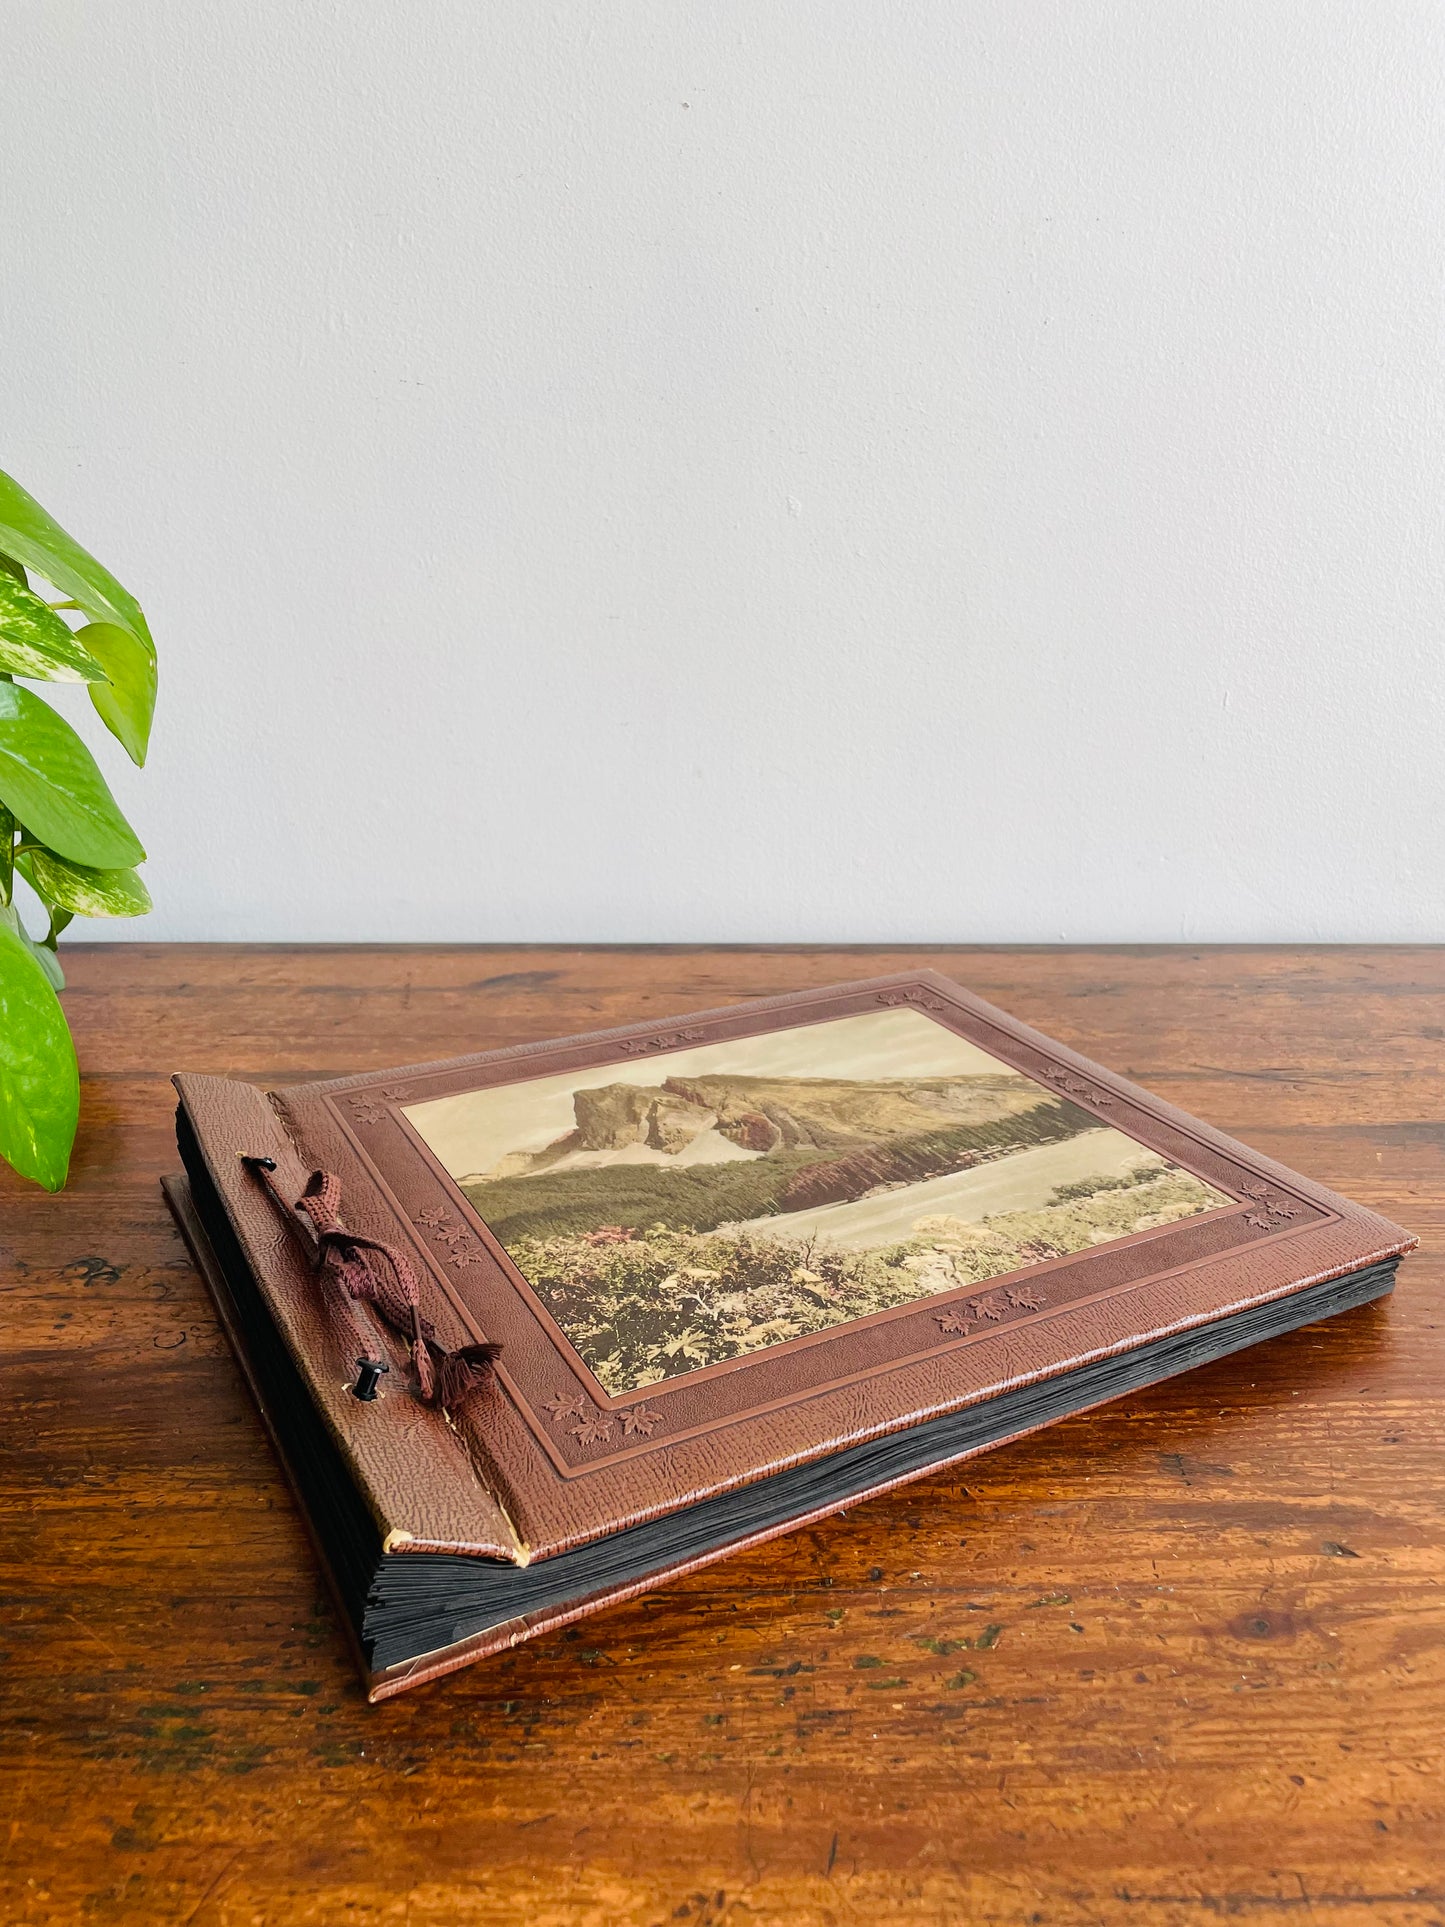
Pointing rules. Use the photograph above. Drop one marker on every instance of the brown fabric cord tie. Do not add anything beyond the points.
(348, 1259)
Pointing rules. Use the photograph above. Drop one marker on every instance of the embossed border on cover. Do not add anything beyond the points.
(582, 1428)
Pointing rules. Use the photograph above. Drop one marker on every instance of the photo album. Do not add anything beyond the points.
(539, 1329)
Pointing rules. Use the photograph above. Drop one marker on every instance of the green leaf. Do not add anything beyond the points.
(48, 961)
(50, 780)
(34, 537)
(12, 567)
(39, 1079)
(81, 890)
(31, 536)
(35, 642)
(7, 854)
(126, 701)
(43, 953)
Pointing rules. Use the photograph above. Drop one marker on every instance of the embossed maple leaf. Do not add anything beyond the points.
(669, 1040)
(955, 1319)
(1073, 1086)
(896, 999)
(639, 1420)
(991, 1307)
(1024, 1300)
(566, 1405)
(446, 1231)
(592, 1430)
(1269, 1211)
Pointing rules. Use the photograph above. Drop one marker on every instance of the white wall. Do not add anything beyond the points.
(771, 469)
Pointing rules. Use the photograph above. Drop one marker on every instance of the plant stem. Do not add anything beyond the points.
(58, 921)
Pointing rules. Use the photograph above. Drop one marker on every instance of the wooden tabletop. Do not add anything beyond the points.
(1179, 1661)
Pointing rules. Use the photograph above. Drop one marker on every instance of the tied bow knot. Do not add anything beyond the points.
(349, 1259)
(393, 1290)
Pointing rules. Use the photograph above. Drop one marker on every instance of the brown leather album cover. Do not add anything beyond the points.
(537, 1329)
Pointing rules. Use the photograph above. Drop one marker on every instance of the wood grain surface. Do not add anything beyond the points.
(1176, 1662)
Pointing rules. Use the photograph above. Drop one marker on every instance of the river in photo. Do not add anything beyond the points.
(1022, 1182)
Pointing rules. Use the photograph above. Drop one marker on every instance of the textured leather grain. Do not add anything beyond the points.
(508, 1481)
(415, 1473)
(354, 1565)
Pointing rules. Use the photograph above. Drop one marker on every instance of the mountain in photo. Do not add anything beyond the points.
(698, 1152)
(756, 1115)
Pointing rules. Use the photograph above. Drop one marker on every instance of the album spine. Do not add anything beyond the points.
(419, 1479)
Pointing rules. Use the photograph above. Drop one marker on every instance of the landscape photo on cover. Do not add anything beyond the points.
(708, 1202)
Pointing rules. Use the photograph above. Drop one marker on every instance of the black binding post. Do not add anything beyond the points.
(368, 1371)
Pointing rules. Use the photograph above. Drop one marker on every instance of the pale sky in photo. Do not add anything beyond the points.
(473, 1130)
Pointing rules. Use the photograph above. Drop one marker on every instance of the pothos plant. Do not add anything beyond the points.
(63, 618)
